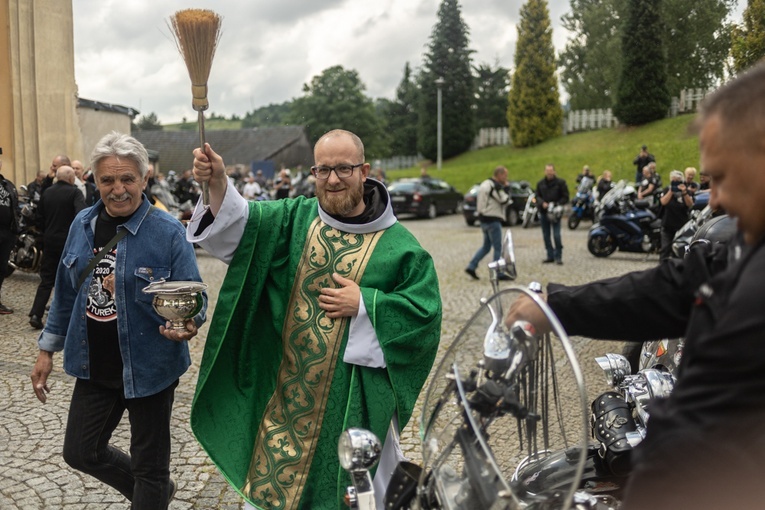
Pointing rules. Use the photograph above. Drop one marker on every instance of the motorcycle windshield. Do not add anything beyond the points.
(502, 399)
(585, 185)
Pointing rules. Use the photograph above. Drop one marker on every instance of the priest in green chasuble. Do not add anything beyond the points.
(329, 317)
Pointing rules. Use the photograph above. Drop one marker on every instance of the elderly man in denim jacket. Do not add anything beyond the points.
(119, 349)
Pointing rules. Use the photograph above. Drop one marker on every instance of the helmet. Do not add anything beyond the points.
(554, 214)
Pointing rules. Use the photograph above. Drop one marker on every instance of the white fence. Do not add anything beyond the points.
(586, 120)
(397, 162)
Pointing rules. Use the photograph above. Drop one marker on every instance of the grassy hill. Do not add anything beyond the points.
(606, 149)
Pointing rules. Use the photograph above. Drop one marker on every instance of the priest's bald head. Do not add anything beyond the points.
(340, 172)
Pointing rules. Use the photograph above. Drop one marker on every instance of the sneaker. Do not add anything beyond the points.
(472, 274)
(4, 310)
(548, 261)
(35, 322)
(559, 262)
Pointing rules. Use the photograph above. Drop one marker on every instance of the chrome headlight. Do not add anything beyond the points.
(358, 450)
(616, 367)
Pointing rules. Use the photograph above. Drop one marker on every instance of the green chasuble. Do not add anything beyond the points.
(274, 393)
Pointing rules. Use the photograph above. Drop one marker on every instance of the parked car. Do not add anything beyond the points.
(519, 191)
(424, 196)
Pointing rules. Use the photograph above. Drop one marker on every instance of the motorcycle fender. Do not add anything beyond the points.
(598, 229)
(556, 470)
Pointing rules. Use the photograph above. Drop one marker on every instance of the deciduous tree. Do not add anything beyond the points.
(336, 99)
(748, 41)
(592, 59)
(697, 42)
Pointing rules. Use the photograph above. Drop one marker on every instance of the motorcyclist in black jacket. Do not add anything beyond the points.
(705, 448)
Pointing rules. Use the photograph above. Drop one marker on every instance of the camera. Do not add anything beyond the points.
(675, 186)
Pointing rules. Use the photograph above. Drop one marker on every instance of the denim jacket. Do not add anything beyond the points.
(155, 248)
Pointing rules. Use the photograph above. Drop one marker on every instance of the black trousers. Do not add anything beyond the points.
(48, 267)
(6, 245)
(143, 476)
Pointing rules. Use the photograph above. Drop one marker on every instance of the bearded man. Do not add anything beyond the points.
(329, 317)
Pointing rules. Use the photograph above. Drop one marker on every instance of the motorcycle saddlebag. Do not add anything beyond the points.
(402, 487)
(611, 420)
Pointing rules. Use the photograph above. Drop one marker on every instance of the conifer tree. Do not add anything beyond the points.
(534, 113)
(492, 86)
(447, 57)
(642, 94)
(402, 116)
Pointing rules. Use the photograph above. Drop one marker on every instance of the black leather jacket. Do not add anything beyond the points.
(8, 185)
(705, 445)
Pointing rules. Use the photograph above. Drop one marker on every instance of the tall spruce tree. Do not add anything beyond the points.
(642, 95)
(492, 86)
(447, 57)
(534, 113)
(402, 116)
(748, 45)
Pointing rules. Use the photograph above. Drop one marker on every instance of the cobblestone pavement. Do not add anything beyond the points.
(34, 475)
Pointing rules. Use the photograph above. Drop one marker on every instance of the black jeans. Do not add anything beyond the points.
(553, 247)
(143, 477)
(48, 268)
(7, 239)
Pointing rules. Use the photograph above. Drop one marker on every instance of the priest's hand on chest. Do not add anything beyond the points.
(342, 301)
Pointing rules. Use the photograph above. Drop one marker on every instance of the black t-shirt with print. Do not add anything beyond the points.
(101, 309)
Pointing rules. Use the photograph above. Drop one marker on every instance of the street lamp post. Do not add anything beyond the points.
(439, 133)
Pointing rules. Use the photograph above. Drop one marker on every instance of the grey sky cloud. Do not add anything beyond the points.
(125, 53)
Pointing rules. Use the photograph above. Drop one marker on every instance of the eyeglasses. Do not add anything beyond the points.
(342, 171)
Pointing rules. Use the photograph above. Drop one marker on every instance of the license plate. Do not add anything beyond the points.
(399, 199)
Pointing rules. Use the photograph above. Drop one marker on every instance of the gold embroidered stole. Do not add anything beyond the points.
(289, 430)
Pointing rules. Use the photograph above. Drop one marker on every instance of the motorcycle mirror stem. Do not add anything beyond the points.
(506, 263)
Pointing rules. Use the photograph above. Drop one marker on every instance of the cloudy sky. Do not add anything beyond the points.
(125, 53)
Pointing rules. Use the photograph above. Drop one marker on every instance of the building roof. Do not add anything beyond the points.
(241, 146)
(108, 107)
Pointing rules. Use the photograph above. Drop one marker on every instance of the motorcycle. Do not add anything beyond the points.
(530, 212)
(166, 201)
(700, 213)
(26, 253)
(625, 225)
(583, 205)
(476, 408)
(492, 412)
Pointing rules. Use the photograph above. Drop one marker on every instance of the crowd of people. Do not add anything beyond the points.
(330, 314)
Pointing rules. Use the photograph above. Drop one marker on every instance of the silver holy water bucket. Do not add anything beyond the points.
(176, 301)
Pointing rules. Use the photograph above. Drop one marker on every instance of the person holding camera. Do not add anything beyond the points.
(491, 201)
(676, 203)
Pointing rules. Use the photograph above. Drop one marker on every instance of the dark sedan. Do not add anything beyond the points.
(423, 196)
(519, 191)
